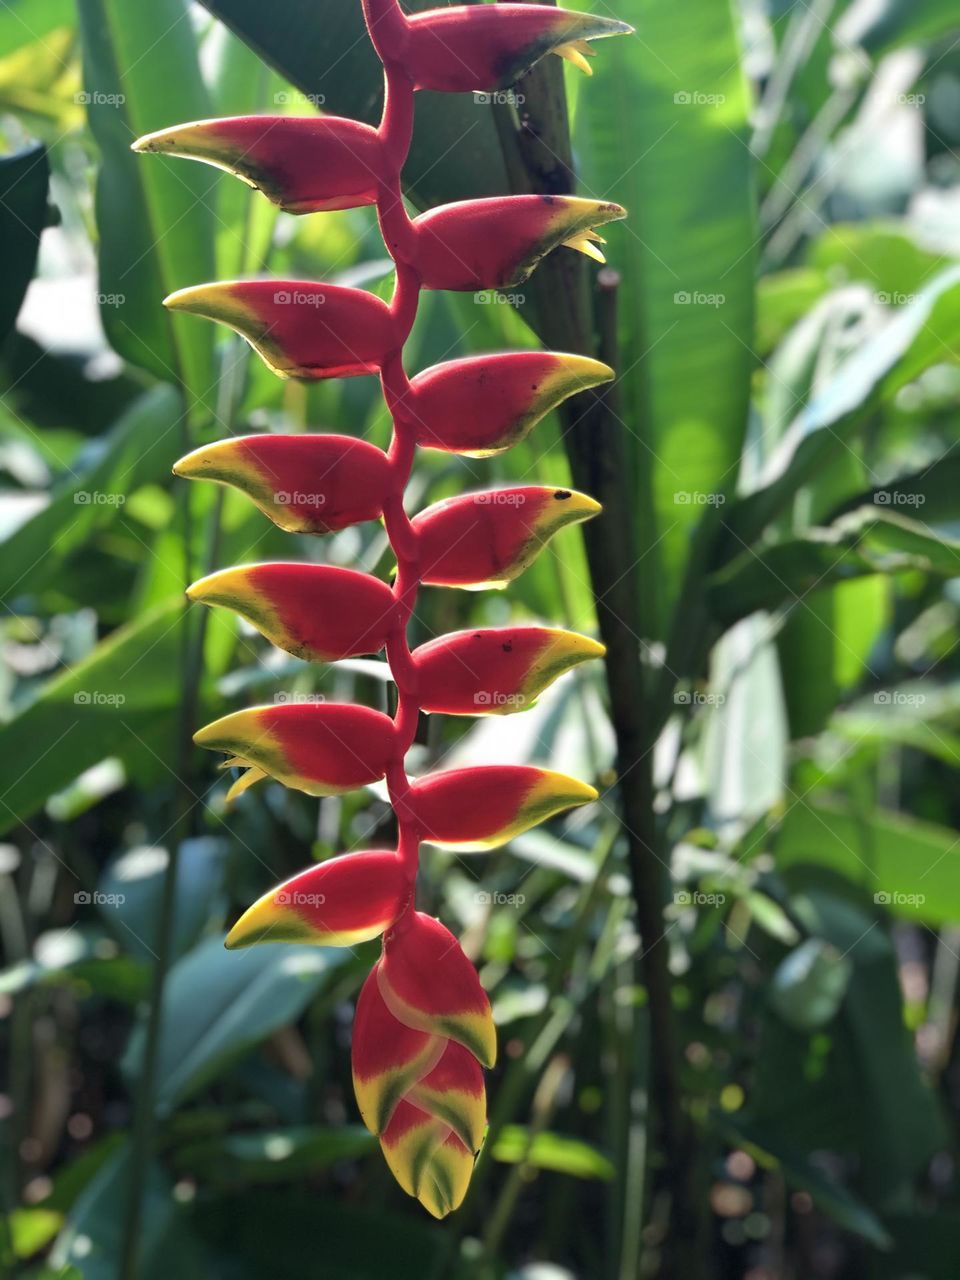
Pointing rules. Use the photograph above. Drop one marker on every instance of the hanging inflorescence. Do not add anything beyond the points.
(423, 1028)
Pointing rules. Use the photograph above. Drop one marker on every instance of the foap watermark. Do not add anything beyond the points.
(500, 97)
(698, 498)
(287, 697)
(697, 298)
(911, 99)
(499, 498)
(696, 898)
(299, 498)
(294, 898)
(111, 299)
(98, 698)
(897, 698)
(697, 698)
(494, 698)
(291, 98)
(83, 898)
(94, 98)
(493, 298)
(98, 498)
(898, 498)
(299, 298)
(894, 898)
(496, 899)
(895, 299)
(694, 98)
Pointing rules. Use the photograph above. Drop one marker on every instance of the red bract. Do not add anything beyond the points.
(339, 903)
(314, 611)
(301, 163)
(465, 47)
(299, 328)
(487, 539)
(305, 484)
(320, 748)
(494, 672)
(483, 807)
(484, 404)
(496, 243)
(424, 1027)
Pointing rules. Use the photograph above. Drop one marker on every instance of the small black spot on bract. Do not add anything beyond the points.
(478, 635)
(562, 495)
(508, 646)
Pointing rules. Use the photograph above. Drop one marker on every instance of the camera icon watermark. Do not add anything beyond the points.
(494, 698)
(697, 698)
(287, 697)
(83, 898)
(494, 898)
(698, 498)
(499, 498)
(888, 898)
(294, 898)
(696, 898)
(500, 97)
(296, 498)
(697, 298)
(694, 98)
(898, 698)
(299, 298)
(94, 98)
(291, 98)
(97, 698)
(98, 498)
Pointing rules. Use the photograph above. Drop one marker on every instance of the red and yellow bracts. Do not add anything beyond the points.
(424, 1030)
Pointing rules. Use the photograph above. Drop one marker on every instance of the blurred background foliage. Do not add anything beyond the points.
(788, 308)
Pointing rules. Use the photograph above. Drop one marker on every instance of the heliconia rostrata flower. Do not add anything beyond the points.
(423, 1029)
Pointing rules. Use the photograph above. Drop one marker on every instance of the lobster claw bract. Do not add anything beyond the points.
(482, 807)
(429, 984)
(338, 903)
(304, 483)
(498, 670)
(317, 612)
(487, 539)
(484, 404)
(471, 47)
(495, 243)
(304, 164)
(322, 749)
(299, 328)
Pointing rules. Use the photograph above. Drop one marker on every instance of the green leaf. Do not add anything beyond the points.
(923, 333)
(890, 24)
(131, 887)
(275, 1155)
(32, 1229)
(155, 220)
(93, 1233)
(854, 1086)
(551, 1151)
(686, 323)
(219, 1004)
(809, 984)
(141, 447)
(455, 152)
(907, 867)
(26, 21)
(883, 255)
(24, 178)
(868, 541)
(120, 700)
(843, 1207)
(745, 753)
